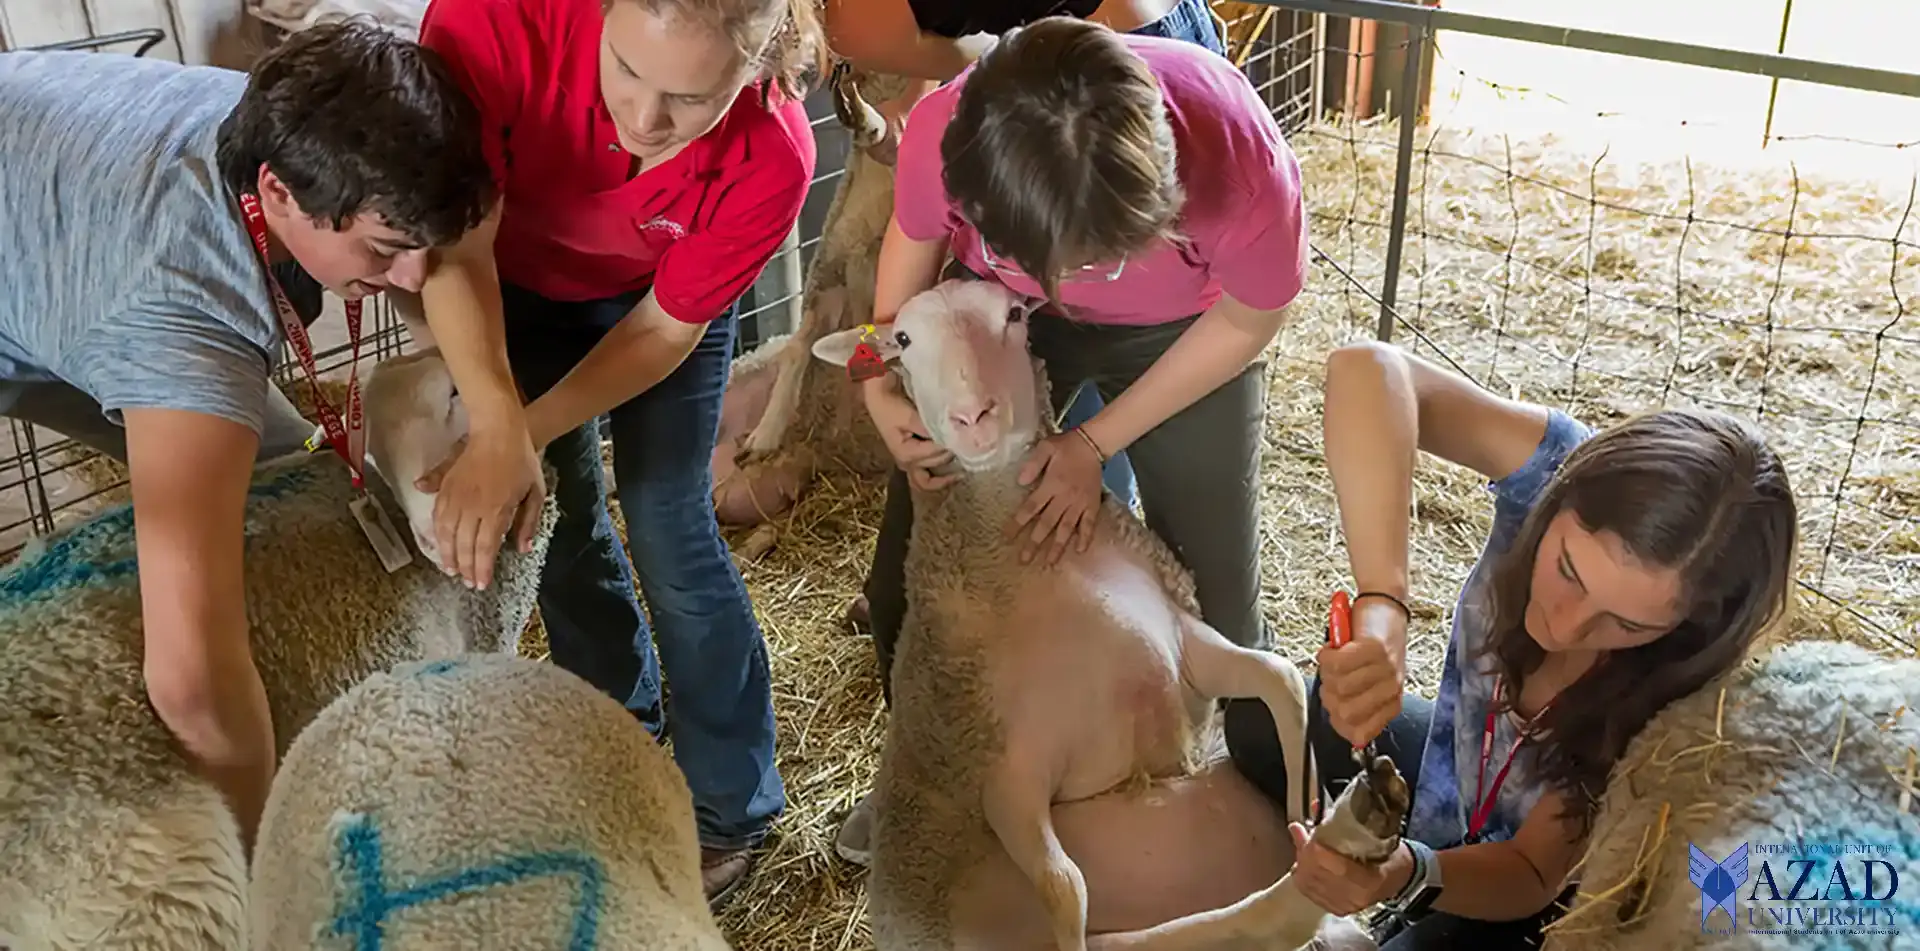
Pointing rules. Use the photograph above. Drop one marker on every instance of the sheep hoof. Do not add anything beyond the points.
(859, 618)
(759, 543)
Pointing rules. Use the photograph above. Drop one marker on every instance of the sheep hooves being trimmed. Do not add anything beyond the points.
(1799, 759)
(110, 838)
(486, 801)
(1024, 696)
(1363, 825)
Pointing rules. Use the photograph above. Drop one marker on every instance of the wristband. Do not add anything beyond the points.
(1402, 605)
(1423, 883)
(1097, 454)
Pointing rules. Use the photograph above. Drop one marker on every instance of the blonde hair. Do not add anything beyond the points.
(783, 38)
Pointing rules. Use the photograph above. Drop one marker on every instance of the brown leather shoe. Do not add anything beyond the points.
(859, 617)
(722, 871)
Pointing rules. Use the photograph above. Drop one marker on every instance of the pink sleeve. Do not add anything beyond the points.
(920, 200)
(1260, 255)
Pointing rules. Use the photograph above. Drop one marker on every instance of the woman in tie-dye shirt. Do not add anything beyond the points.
(1624, 569)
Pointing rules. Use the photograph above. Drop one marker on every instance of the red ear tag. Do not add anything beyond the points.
(865, 364)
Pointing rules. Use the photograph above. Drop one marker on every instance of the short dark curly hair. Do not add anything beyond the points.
(356, 119)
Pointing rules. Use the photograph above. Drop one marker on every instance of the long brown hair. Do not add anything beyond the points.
(1695, 491)
(793, 56)
(1060, 151)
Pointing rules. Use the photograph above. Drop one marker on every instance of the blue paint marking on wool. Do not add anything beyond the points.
(434, 668)
(71, 560)
(369, 901)
(83, 555)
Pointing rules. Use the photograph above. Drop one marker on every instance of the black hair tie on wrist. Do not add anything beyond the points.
(1402, 605)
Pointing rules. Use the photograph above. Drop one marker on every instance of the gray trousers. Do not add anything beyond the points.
(1198, 477)
(69, 411)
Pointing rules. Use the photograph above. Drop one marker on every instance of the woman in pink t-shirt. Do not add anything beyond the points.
(1147, 179)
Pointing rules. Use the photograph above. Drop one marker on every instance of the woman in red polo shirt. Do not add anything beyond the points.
(652, 155)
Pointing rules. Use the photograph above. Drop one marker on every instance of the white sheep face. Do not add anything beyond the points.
(960, 349)
(414, 421)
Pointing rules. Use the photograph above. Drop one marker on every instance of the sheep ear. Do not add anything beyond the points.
(837, 347)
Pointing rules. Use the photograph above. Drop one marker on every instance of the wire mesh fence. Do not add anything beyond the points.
(1606, 280)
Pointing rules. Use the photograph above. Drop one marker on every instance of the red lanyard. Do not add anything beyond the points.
(349, 440)
(1484, 798)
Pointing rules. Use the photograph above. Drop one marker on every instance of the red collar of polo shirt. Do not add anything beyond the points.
(704, 157)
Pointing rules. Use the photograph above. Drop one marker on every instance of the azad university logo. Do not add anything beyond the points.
(1803, 887)
(1719, 882)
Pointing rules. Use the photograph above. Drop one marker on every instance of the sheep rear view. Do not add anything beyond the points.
(1027, 698)
(486, 801)
(1800, 762)
(107, 837)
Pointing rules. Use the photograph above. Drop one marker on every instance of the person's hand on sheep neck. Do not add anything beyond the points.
(491, 484)
(906, 436)
(1064, 505)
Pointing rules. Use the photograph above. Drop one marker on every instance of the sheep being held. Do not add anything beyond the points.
(486, 801)
(1043, 773)
(1795, 781)
(108, 839)
(1364, 825)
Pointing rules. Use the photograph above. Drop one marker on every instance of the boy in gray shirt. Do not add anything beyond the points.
(136, 315)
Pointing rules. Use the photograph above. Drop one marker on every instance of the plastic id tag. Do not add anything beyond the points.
(372, 516)
(866, 364)
(318, 440)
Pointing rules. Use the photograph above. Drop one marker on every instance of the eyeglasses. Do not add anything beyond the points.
(1085, 271)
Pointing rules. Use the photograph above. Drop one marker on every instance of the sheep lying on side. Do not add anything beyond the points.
(481, 802)
(1018, 688)
(784, 416)
(1792, 785)
(107, 838)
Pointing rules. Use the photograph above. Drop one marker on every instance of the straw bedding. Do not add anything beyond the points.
(826, 692)
(1518, 320)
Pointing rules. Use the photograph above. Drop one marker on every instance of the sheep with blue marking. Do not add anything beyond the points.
(488, 801)
(1795, 781)
(108, 839)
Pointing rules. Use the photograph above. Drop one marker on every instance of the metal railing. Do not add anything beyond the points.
(1831, 442)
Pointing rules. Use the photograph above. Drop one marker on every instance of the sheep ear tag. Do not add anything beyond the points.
(379, 530)
(866, 362)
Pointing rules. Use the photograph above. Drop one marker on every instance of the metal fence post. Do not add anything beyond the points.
(1408, 117)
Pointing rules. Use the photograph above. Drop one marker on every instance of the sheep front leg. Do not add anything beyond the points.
(1018, 803)
(1218, 667)
(790, 372)
(1275, 918)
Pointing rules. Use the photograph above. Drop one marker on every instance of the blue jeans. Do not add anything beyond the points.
(1189, 20)
(709, 643)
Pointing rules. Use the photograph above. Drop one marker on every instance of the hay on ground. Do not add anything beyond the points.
(1509, 302)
